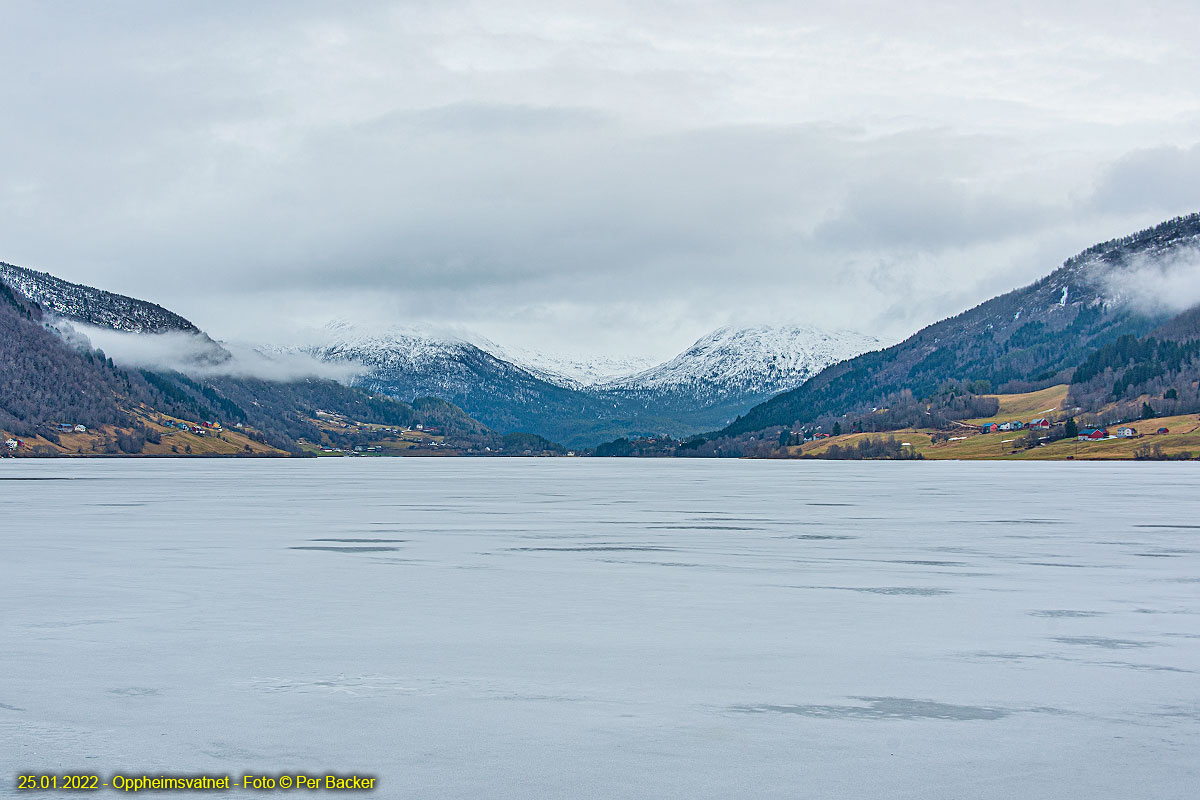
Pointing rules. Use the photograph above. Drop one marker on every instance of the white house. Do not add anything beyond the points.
(1126, 433)
(11, 444)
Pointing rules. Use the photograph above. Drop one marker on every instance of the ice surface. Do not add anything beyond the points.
(608, 628)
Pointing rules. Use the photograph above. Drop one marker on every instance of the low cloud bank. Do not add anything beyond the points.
(201, 357)
(1156, 284)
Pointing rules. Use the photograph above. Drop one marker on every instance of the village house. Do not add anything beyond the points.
(1163, 430)
(1092, 434)
(11, 444)
(1041, 424)
(65, 427)
(81, 429)
(1126, 433)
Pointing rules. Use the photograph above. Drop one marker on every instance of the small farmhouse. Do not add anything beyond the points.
(1126, 433)
(1092, 434)
(1041, 424)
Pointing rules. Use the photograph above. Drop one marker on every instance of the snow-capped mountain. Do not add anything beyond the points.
(739, 362)
(584, 401)
(408, 364)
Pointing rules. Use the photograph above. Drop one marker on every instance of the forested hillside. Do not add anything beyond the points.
(94, 306)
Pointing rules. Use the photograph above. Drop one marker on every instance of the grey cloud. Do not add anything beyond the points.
(1160, 179)
(932, 214)
(532, 168)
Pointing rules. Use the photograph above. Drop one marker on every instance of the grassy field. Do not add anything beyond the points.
(174, 442)
(1184, 437)
(228, 441)
(1030, 405)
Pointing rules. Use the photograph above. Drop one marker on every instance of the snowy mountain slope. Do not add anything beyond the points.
(748, 361)
(94, 306)
(575, 372)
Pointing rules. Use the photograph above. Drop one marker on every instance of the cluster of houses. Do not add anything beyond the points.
(187, 427)
(1039, 424)
(1124, 432)
(1043, 424)
(12, 445)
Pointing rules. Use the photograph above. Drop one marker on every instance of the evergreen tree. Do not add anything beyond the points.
(1070, 429)
(837, 429)
(1147, 411)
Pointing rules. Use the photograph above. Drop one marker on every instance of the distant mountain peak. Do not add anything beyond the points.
(750, 360)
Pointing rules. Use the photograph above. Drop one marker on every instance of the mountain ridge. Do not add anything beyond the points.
(719, 376)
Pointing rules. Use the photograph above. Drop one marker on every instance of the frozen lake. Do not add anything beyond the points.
(608, 628)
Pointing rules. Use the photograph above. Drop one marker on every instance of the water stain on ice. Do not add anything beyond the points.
(915, 591)
(230, 752)
(69, 623)
(599, 548)
(361, 541)
(1065, 613)
(332, 549)
(26, 478)
(700, 528)
(1179, 527)
(817, 537)
(341, 684)
(7, 707)
(1147, 667)
(1101, 641)
(134, 691)
(884, 708)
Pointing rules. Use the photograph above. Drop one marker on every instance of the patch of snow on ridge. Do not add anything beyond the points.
(575, 372)
(761, 359)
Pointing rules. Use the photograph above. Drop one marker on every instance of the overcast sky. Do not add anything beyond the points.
(609, 177)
